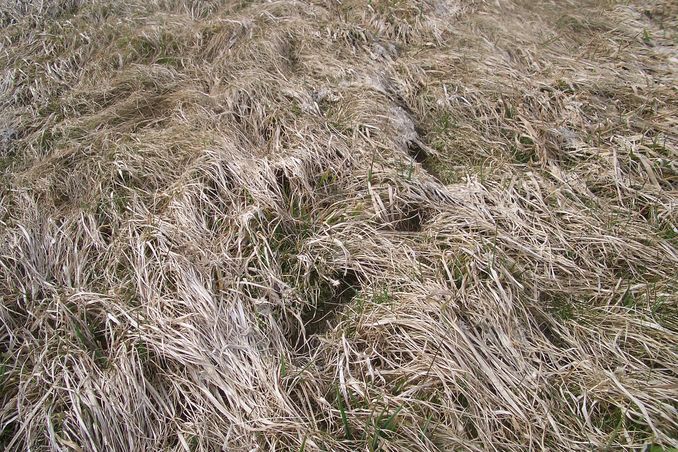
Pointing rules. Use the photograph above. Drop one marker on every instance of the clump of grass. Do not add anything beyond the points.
(392, 225)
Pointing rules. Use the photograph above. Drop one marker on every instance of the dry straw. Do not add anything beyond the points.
(338, 225)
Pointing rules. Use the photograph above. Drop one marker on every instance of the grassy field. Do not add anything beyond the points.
(332, 225)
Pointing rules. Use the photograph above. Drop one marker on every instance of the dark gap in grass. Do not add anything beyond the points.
(123, 176)
(543, 320)
(320, 317)
(7, 433)
(60, 196)
(271, 129)
(412, 220)
(283, 182)
(523, 153)
(416, 151)
(90, 331)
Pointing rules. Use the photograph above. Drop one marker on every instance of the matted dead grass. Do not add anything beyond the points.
(322, 225)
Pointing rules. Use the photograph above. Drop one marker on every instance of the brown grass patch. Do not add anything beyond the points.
(320, 225)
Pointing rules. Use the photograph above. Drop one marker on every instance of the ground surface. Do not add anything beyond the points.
(322, 225)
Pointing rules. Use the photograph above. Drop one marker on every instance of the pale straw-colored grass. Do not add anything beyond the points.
(321, 225)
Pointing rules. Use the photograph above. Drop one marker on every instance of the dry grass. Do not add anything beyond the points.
(322, 225)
